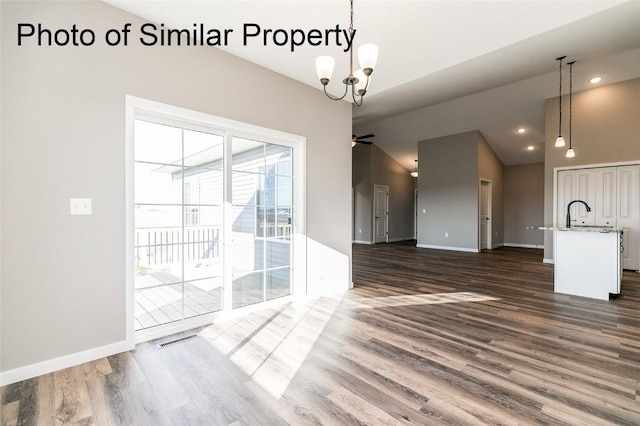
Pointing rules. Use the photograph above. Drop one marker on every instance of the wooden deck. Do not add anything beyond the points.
(164, 304)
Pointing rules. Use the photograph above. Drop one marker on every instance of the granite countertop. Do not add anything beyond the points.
(576, 228)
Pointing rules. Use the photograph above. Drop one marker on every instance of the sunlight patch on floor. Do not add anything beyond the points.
(416, 299)
(271, 345)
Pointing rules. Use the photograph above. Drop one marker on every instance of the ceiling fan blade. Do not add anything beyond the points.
(370, 135)
(366, 142)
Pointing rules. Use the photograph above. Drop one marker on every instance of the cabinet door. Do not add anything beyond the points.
(605, 208)
(566, 188)
(628, 206)
(585, 191)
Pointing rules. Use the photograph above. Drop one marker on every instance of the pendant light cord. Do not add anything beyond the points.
(570, 96)
(560, 98)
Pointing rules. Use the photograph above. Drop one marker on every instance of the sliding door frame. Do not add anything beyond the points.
(137, 108)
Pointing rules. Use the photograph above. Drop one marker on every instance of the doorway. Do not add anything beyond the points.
(484, 219)
(380, 214)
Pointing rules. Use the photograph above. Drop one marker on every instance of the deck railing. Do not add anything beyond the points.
(161, 246)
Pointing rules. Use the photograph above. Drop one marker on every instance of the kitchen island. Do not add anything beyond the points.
(588, 261)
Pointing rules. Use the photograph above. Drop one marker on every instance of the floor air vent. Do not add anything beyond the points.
(174, 341)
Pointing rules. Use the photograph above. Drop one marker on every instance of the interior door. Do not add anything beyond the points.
(380, 213)
(484, 216)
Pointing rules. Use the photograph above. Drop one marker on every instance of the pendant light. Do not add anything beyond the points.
(570, 152)
(414, 173)
(560, 139)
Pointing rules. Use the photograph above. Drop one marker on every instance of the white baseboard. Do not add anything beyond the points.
(465, 249)
(34, 370)
(536, 246)
(550, 261)
(395, 240)
(362, 242)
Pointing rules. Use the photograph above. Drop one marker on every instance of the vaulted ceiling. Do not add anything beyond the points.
(439, 56)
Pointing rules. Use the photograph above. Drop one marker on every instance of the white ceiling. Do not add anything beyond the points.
(443, 56)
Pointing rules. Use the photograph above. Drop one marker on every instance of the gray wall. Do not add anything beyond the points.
(448, 191)
(490, 168)
(372, 166)
(606, 129)
(450, 169)
(363, 194)
(387, 171)
(63, 132)
(523, 204)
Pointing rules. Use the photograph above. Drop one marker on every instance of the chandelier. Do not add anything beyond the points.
(358, 79)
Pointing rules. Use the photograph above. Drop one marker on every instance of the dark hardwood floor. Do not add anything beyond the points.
(425, 337)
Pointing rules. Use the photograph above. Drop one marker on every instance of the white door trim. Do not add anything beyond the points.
(489, 221)
(384, 188)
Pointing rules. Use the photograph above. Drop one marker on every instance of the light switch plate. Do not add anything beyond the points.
(80, 206)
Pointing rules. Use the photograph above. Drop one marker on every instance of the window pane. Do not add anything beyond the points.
(284, 194)
(211, 217)
(270, 222)
(284, 221)
(248, 256)
(248, 289)
(278, 253)
(205, 186)
(247, 188)
(202, 297)
(157, 143)
(202, 252)
(278, 283)
(203, 149)
(247, 155)
(243, 222)
(155, 184)
(281, 157)
(158, 305)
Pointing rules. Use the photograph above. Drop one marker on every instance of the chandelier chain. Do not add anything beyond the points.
(351, 20)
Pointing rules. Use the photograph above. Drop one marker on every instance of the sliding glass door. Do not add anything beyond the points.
(213, 221)
(178, 223)
(262, 188)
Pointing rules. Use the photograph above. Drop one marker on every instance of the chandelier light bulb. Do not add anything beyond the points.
(570, 153)
(368, 56)
(559, 142)
(324, 68)
(361, 85)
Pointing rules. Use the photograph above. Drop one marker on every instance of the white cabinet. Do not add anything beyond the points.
(628, 214)
(605, 208)
(587, 263)
(576, 185)
(613, 193)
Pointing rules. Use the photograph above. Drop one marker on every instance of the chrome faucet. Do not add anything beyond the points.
(569, 211)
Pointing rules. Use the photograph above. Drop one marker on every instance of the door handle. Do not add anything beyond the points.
(488, 218)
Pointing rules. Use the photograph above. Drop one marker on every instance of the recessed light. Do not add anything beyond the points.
(595, 80)
(522, 130)
(531, 147)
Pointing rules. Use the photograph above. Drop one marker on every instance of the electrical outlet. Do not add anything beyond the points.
(424, 211)
(446, 235)
(359, 231)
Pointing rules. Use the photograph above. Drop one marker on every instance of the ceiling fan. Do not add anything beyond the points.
(360, 139)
